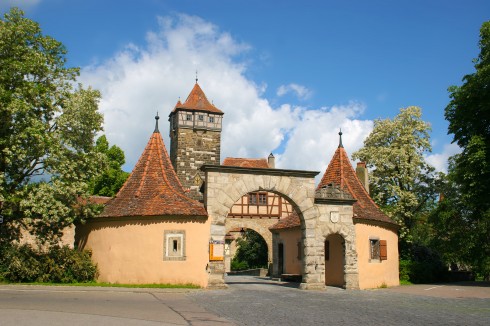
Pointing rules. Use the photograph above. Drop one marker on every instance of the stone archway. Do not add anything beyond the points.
(259, 226)
(225, 185)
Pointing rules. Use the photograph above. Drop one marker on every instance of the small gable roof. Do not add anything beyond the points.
(197, 101)
(153, 189)
(289, 222)
(341, 173)
(246, 162)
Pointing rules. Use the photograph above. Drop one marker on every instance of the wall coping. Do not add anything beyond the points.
(257, 171)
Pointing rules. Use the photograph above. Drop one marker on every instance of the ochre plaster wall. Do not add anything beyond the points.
(373, 274)
(132, 251)
(290, 238)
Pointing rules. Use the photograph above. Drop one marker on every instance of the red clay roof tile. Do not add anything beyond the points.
(246, 162)
(289, 222)
(340, 172)
(197, 101)
(153, 188)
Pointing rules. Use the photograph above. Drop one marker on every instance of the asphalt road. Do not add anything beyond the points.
(248, 301)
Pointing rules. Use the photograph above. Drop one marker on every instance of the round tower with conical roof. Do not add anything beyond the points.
(195, 139)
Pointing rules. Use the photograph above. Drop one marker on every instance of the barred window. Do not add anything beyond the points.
(374, 248)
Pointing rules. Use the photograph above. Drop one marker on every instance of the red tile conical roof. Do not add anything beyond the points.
(341, 173)
(197, 101)
(153, 189)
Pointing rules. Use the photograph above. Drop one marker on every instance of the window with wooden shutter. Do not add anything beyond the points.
(383, 250)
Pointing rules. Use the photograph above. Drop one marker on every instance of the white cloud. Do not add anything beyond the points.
(440, 160)
(140, 80)
(300, 91)
(5, 5)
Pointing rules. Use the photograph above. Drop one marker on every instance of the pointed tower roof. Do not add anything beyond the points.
(341, 173)
(197, 101)
(152, 188)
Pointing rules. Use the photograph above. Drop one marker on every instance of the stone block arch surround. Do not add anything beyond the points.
(258, 225)
(224, 185)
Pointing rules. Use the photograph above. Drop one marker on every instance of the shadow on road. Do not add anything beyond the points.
(241, 279)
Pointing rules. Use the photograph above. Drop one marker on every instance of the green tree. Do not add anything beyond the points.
(47, 132)
(113, 177)
(251, 251)
(401, 182)
(465, 210)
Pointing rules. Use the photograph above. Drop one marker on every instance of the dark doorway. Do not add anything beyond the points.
(280, 256)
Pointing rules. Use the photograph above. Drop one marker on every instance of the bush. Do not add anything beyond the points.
(57, 265)
(405, 270)
(421, 264)
(237, 265)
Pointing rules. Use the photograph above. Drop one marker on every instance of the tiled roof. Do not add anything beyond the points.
(153, 188)
(246, 162)
(197, 101)
(289, 222)
(341, 173)
(100, 200)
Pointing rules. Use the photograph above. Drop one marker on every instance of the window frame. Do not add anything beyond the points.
(378, 250)
(170, 242)
(258, 198)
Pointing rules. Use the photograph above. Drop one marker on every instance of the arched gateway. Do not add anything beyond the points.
(321, 212)
(157, 230)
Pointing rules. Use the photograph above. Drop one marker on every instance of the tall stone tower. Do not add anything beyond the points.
(195, 139)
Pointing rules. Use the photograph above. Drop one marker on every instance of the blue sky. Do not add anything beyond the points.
(287, 74)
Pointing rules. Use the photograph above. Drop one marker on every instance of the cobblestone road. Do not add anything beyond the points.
(252, 301)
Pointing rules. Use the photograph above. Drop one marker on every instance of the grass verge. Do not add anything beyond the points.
(115, 285)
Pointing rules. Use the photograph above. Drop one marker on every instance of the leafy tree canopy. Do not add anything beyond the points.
(462, 220)
(401, 182)
(47, 132)
(251, 251)
(113, 177)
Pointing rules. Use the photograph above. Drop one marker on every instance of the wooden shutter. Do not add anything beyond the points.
(383, 250)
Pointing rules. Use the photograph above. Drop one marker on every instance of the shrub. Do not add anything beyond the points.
(405, 266)
(57, 265)
(237, 265)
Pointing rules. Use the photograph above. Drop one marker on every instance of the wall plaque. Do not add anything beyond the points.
(216, 250)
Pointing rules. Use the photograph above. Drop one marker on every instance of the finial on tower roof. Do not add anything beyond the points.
(340, 139)
(196, 77)
(156, 123)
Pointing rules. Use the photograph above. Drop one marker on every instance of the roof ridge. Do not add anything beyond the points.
(153, 188)
(160, 159)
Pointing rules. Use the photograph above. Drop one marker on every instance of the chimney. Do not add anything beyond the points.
(362, 174)
(271, 161)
